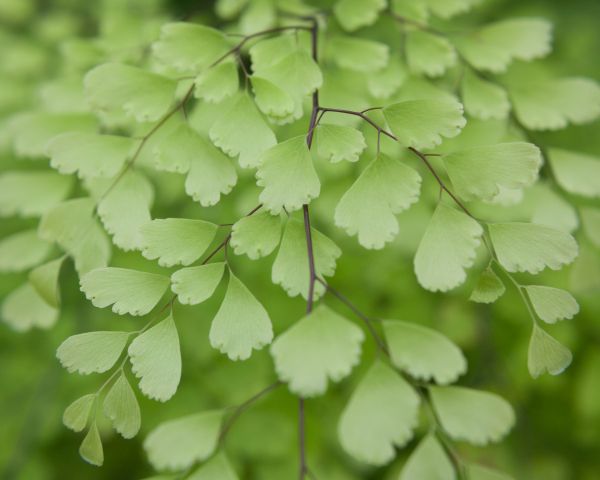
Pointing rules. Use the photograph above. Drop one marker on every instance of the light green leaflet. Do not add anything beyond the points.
(480, 172)
(178, 444)
(354, 14)
(268, 52)
(241, 324)
(256, 235)
(128, 291)
(93, 352)
(447, 249)
(24, 309)
(290, 269)
(526, 247)
(217, 468)
(472, 415)
(45, 281)
(489, 287)
(422, 123)
(449, 8)
(91, 447)
(260, 15)
(17, 188)
(553, 104)
(176, 241)
(323, 345)
(483, 99)
(271, 99)
(385, 188)
(194, 285)
(428, 54)
(428, 462)
(156, 360)
(88, 154)
(381, 413)
(288, 177)
(189, 47)
(241, 131)
(144, 95)
(552, 304)
(415, 10)
(423, 352)
(577, 173)
(337, 143)
(23, 250)
(590, 218)
(478, 472)
(551, 208)
(217, 83)
(121, 407)
(546, 354)
(358, 54)
(76, 415)
(494, 46)
(384, 83)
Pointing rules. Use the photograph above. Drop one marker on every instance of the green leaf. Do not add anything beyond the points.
(290, 269)
(381, 413)
(188, 46)
(268, 52)
(76, 415)
(91, 447)
(288, 177)
(256, 235)
(121, 407)
(89, 154)
(489, 287)
(354, 14)
(480, 172)
(551, 208)
(423, 352)
(449, 8)
(447, 249)
(241, 324)
(590, 218)
(483, 99)
(128, 291)
(552, 304)
(92, 352)
(428, 462)
(218, 83)
(296, 73)
(359, 54)
(194, 285)
(415, 10)
(217, 468)
(45, 281)
(31, 193)
(493, 47)
(478, 472)
(472, 415)
(23, 250)
(178, 444)
(176, 241)
(428, 54)
(323, 345)
(271, 99)
(384, 83)
(156, 360)
(526, 247)
(546, 354)
(575, 172)
(337, 143)
(385, 188)
(143, 95)
(422, 123)
(242, 131)
(24, 309)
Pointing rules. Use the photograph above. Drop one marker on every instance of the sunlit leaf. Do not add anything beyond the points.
(546, 354)
(271, 99)
(429, 54)
(93, 352)
(217, 83)
(489, 287)
(91, 447)
(483, 99)
(428, 461)
(337, 143)
(121, 407)
(45, 281)
(23, 250)
(24, 309)
(577, 173)
(359, 54)
(256, 235)
(478, 472)
(217, 468)
(76, 415)
(194, 285)
(552, 304)
(354, 14)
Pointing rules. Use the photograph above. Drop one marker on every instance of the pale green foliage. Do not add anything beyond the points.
(128, 291)
(489, 287)
(217, 468)
(156, 360)
(323, 345)
(16, 188)
(423, 353)
(450, 8)
(525, 247)
(552, 209)
(256, 235)
(359, 54)
(337, 143)
(546, 354)
(121, 407)
(290, 269)
(76, 415)
(447, 249)
(271, 99)
(478, 472)
(552, 304)
(354, 14)
(194, 285)
(475, 416)
(429, 54)
(92, 352)
(385, 188)
(577, 173)
(144, 95)
(428, 462)
(422, 123)
(24, 308)
(176, 241)
(177, 444)
(590, 218)
(481, 172)
(91, 447)
(384, 83)
(381, 413)
(45, 281)
(217, 83)
(21, 251)
(288, 177)
(483, 99)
